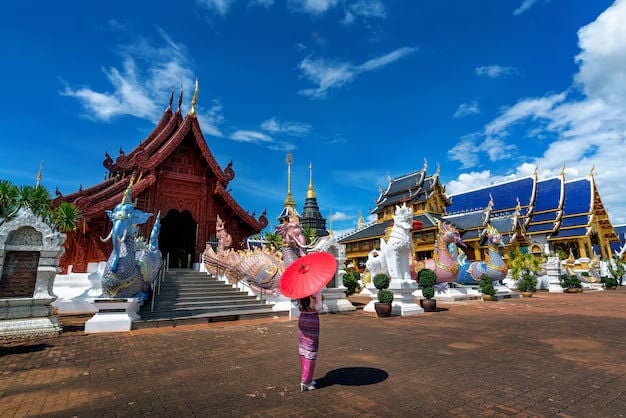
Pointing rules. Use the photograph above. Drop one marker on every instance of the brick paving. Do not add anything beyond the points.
(549, 355)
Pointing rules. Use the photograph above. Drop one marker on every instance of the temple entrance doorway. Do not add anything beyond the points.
(177, 240)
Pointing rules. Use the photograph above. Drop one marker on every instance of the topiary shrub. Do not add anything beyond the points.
(609, 282)
(527, 283)
(351, 283)
(427, 279)
(570, 282)
(381, 281)
(486, 286)
(385, 296)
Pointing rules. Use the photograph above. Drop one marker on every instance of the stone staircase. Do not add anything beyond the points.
(192, 297)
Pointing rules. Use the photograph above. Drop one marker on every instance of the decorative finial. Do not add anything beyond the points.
(563, 171)
(593, 167)
(330, 223)
(519, 205)
(289, 202)
(438, 171)
(194, 100)
(490, 204)
(121, 151)
(425, 164)
(127, 199)
(180, 98)
(389, 179)
(361, 223)
(536, 171)
(39, 173)
(310, 194)
(171, 99)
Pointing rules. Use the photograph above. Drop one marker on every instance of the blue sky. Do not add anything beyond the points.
(362, 89)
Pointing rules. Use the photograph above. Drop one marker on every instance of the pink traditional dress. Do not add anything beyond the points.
(309, 336)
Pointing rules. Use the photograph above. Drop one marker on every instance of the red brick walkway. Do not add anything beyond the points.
(550, 355)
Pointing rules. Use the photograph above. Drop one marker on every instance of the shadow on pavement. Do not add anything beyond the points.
(22, 349)
(352, 376)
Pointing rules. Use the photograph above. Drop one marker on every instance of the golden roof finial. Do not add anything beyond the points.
(194, 100)
(127, 199)
(330, 223)
(535, 173)
(310, 194)
(593, 167)
(361, 223)
(39, 173)
(289, 202)
(563, 171)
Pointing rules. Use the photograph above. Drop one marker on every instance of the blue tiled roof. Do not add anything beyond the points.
(467, 220)
(546, 227)
(566, 233)
(504, 196)
(374, 230)
(541, 217)
(503, 225)
(582, 220)
(577, 197)
(548, 194)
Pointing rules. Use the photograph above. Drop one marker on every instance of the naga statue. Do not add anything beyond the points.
(444, 261)
(394, 255)
(261, 268)
(494, 266)
(224, 240)
(133, 263)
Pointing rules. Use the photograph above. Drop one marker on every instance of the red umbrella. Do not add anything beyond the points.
(307, 275)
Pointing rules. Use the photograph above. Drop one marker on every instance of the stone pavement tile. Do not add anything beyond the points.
(549, 355)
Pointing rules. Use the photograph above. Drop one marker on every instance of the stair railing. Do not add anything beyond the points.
(156, 285)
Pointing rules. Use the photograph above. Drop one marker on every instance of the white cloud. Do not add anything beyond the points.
(467, 109)
(141, 86)
(526, 4)
(494, 71)
(250, 136)
(262, 3)
(211, 119)
(365, 9)
(333, 74)
(342, 216)
(290, 128)
(218, 6)
(589, 131)
(314, 7)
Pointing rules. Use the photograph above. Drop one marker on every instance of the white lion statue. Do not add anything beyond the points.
(394, 255)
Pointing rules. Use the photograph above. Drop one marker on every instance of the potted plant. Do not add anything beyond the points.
(571, 283)
(609, 282)
(427, 279)
(486, 287)
(385, 297)
(351, 283)
(527, 284)
(524, 267)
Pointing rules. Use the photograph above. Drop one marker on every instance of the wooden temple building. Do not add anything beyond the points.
(541, 216)
(176, 175)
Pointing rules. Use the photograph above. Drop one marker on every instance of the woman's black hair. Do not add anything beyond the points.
(305, 303)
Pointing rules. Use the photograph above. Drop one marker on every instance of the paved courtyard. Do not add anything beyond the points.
(549, 355)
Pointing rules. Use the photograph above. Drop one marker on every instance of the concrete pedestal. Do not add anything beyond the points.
(403, 300)
(114, 315)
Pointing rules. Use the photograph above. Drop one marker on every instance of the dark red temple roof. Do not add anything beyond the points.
(168, 134)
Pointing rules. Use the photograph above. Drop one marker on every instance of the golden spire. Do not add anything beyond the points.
(289, 202)
(330, 223)
(39, 173)
(127, 199)
(310, 194)
(192, 112)
(361, 223)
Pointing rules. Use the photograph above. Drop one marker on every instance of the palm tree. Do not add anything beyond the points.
(37, 199)
(309, 234)
(65, 217)
(274, 240)
(9, 200)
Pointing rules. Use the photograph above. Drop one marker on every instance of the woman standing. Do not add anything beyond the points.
(308, 337)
